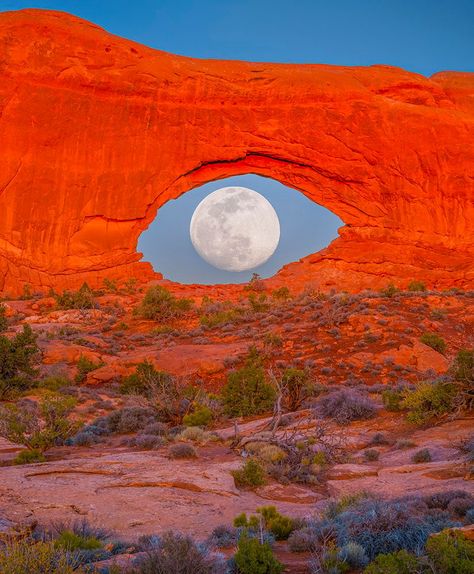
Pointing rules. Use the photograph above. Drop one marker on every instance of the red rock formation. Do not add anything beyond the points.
(98, 132)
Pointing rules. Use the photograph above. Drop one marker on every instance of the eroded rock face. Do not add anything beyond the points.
(98, 132)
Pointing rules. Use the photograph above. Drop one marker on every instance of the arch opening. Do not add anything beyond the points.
(305, 228)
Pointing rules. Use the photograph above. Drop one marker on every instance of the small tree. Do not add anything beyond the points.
(17, 357)
(38, 426)
(159, 387)
(246, 391)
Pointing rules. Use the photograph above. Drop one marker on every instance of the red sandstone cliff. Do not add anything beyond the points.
(98, 132)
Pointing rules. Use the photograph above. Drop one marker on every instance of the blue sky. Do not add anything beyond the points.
(423, 36)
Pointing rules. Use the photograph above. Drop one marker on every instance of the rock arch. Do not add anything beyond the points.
(98, 132)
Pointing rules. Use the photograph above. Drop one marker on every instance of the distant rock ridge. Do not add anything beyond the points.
(98, 132)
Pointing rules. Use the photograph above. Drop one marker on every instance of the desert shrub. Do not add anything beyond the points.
(29, 457)
(346, 405)
(460, 506)
(384, 526)
(54, 383)
(201, 416)
(428, 400)
(156, 428)
(85, 366)
(196, 434)
(43, 557)
(434, 341)
(296, 387)
(71, 541)
(250, 475)
(279, 525)
(392, 399)
(38, 426)
(252, 557)
(401, 562)
(379, 439)
(281, 294)
(255, 284)
(182, 450)
(159, 304)
(85, 438)
(353, 555)
(219, 313)
(81, 299)
(390, 290)
(416, 286)
(302, 540)
(326, 560)
(146, 441)
(246, 391)
(224, 536)
(159, 387)
(371, 454)
(451, 553)
(17, 359)
(3, 318)
(441, 500)
(422, 455)
(258, 303)
(122, 421)
(177, 553)
(462, 368)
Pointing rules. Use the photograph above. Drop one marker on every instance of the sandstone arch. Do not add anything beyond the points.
(97, 132)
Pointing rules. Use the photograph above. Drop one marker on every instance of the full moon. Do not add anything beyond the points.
(235, 229)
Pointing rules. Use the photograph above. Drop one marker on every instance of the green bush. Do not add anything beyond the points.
(252, 557)
(428, 401)
(251, 474)
(259, 303)
(201, 416)
(81, 299)
(246, 391)
(17, 358)
(159, 304)
(39, 558)
(85, 366)
(434, 341)
(282, 294)
(392, 400)
(401, 562)
(38, 427)
(3, 318)
(451, 553)
(72, 541)
(29, 457)
(279, 525)
(390, 290)
(416, 286)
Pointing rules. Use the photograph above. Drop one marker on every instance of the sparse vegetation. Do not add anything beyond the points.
(434, 341)
(85, 366)
(422, 455)
(416, 286)
(81, 299)
(159, 304)
(428, 401)
(23, 557)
